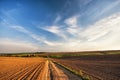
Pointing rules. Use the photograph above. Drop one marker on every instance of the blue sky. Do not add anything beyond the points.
(59, 25)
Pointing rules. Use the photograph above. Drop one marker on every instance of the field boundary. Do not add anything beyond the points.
(82, 74)
(72, 71)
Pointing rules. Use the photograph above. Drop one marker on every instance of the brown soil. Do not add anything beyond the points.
(97, 67)
(13, 68)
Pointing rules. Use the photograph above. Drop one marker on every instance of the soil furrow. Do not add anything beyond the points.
(32, 69)
(37, 72)
(25, 75)
(15, 73)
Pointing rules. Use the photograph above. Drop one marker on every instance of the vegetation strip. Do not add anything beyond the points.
(73, 71)
(80, 74)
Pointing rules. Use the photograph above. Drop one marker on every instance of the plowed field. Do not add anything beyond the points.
(97, 67)
(13, 68)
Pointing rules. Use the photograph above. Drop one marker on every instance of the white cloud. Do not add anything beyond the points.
(71, 29)
(49, 43)
(6, 23)
(71, 22)
(56, 30)
(23, 30)
(40, 39)
(10, 22)
(58, 18)
(72, 26)
(74, 31)
(114, 4)
(103, 35)
(107, 27)
(19, 28)
(53, 29)
(10, 45)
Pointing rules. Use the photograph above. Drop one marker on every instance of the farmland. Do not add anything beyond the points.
(96, 65)
(12, 68)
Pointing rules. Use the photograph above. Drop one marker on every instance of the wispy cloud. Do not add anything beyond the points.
(64, 32)
(108, 26)
(102, 35)
(10, 22)
(58, 18)
(72, 25)
(108, 8)
(11, 45)
(57, 30)
(97, 10)
(19, 28)
(40, 39)
(32, 35)
(6, 23)
(71, 22)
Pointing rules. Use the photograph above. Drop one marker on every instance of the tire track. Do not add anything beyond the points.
(57, 73)
(45, 73)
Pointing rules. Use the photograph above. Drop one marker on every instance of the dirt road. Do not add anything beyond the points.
(12, 68)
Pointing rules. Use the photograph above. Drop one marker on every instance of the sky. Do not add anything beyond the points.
(59, 25)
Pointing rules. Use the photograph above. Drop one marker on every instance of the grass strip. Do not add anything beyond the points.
(80, 74)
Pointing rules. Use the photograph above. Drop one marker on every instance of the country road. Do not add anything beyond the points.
(33, 69)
